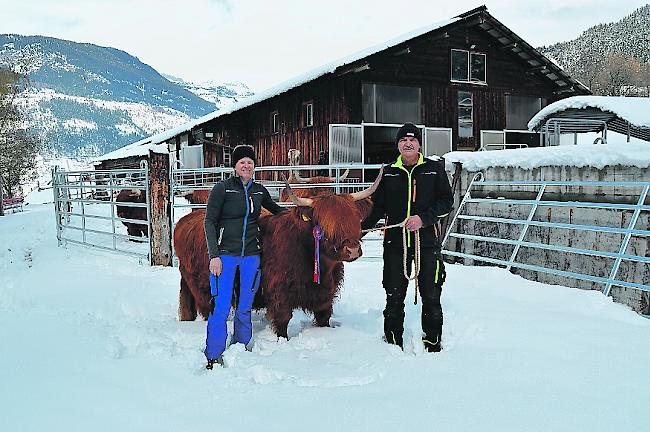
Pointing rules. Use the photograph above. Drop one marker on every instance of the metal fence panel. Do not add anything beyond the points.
(86, 209)
(621, 254)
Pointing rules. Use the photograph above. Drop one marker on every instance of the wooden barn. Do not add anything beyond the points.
(455, 79)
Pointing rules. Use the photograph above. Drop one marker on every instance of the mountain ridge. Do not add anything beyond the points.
(86, 100)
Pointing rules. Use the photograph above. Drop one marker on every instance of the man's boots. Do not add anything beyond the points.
(394, 339)
(432, 344)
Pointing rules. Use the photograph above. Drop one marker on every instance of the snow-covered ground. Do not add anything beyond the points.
(89, 341)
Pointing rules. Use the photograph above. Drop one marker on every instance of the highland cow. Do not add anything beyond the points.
(136, 213)
(288, 251)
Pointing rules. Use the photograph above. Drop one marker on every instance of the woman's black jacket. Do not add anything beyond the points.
(231, 226)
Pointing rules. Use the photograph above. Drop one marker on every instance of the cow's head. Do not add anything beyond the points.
(339, 216)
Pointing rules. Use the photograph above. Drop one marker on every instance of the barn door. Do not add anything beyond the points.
(192, 156)
(345, 144)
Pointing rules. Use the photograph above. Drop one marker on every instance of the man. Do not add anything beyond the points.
(415, 189)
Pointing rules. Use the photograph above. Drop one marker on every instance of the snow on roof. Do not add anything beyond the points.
(635, 110)
(132, 149)
(616, 152)
(139, 148)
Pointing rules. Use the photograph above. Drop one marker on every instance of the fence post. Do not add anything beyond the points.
(55, 191)
(524, 229)
(626, 240)
(160, 210)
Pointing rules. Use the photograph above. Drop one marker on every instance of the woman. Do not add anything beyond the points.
(233, 238)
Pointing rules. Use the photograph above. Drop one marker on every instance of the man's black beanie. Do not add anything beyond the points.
(409, 129)
(242, 151)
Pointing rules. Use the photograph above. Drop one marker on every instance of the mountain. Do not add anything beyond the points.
(583, 57)
(87, 100)
(221, 94)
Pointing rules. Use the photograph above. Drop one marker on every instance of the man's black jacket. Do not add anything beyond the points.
(421, 190)
(231, 226)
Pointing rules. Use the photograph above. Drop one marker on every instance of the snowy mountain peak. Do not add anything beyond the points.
(220, 94)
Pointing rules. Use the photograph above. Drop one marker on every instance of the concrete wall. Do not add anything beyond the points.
(596, 266)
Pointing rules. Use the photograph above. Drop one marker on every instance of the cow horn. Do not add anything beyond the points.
(345, 175)
(301, 202)
(369, 191)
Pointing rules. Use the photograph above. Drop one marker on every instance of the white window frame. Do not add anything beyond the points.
(470, 80)
(275, 125)
(308, 113)
(471, 105)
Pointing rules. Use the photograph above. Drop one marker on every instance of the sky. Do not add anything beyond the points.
(263, 43)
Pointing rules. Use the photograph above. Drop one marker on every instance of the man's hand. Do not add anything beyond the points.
(216, 266)
(413, 223)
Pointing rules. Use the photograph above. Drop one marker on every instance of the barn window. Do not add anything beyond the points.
(465, 114)
(275, 124)
(391, 104)
(467, 66)
(307, 114)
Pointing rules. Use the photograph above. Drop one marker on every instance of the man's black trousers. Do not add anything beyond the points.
(431, 278)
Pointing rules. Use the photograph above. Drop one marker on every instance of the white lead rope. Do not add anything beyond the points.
(416, 253)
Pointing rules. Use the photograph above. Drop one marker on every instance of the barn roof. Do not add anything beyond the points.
(621, 114)
(478, 17)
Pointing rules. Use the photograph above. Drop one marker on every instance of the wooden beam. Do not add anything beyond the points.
(406, 50)
(354, 69)
(538, 68)
(160, 210)
(508, 46)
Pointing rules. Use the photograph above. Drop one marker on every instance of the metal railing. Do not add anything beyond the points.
(86, 209)
(488, 147)
(630, 231)
(556, 126)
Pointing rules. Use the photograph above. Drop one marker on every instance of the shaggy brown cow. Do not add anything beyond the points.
(199, 196)
(288, 251)
(288, 257)
(133, 196)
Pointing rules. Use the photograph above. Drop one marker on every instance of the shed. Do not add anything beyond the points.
(625, 115)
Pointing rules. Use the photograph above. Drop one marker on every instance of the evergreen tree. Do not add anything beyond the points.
(18, 149)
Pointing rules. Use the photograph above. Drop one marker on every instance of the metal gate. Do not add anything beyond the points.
(86, 209)
(625, 203)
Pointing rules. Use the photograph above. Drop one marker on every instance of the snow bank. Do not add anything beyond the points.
(617, 152)
(90, 341)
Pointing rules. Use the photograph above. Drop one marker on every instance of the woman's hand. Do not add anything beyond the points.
(216, 266)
